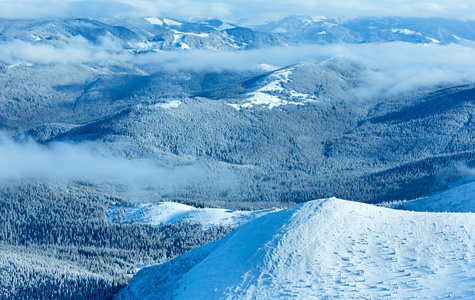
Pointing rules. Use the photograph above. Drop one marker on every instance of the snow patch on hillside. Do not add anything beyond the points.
(166, 105)
(155, 21)
(36, 37)
(170, 212)
(405, 31)
(319, 19)
(279, 30)
(20, 65)
(274, 94)
(267, 67)
(184, 46)
(324, 249)
(181, 34)
(265, 99)
(145, 45)
(171, 22)
(433, 40)
(225, 26)
(178, 37)
(329, 24)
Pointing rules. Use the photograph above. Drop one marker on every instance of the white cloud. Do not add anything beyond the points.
(93, 163)
(391, 68)
(77, 51)
(233, 10)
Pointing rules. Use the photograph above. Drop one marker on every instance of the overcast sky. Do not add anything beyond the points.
(259, 11)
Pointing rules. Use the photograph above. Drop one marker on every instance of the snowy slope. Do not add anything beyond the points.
(295, 85)
(457, 199)
(323, 249)
(170, 212)
(269, 94)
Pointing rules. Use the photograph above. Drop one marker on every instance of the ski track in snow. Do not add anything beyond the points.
(327, 248)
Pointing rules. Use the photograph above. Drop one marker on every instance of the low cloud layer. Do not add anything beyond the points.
(79, 50)
(93, 163)
(391, 68)
(234, 10)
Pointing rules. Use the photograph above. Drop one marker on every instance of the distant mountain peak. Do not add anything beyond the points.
(322, 30)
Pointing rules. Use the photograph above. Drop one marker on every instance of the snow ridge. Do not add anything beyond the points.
(170, 212)
(323, 249)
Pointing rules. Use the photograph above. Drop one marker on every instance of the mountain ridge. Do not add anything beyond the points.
(323, 30)
(312, 251)
(141, 35)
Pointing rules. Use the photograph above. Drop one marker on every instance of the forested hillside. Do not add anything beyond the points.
(56, 242)
(395, 149)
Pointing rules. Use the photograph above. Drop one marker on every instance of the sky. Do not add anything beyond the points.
(256, 11)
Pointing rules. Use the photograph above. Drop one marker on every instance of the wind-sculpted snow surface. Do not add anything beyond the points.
(324, 248)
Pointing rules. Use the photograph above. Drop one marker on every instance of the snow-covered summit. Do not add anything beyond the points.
(324, 248)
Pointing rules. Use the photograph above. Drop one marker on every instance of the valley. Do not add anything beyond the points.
(148, 156)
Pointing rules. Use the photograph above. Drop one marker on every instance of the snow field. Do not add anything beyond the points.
(170, 212)
(327, 248)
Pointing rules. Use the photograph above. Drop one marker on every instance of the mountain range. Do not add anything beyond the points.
(162, 34)
(126, 143)
(262, 129)
(372, 30)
